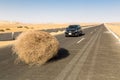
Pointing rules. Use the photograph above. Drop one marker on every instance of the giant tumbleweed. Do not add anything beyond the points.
(35, 47)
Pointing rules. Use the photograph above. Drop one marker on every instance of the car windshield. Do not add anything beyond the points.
(73, 26)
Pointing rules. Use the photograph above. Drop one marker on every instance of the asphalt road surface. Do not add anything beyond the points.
(93, 56)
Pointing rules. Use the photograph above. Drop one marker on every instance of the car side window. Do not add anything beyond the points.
(78, 27)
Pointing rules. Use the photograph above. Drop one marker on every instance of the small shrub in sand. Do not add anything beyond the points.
(26, 27)
(35, 47)
(2, 30)
(7, 28)
(19, 26)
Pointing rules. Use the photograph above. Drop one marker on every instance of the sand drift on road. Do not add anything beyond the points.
(35, 47)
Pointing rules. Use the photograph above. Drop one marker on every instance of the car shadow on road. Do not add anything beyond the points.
(62, 53)
(82, 34)
(77, 36)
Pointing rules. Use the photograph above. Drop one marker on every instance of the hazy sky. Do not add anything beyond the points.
(60, 11)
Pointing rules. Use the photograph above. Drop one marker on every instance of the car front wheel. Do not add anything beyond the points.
(66, 35)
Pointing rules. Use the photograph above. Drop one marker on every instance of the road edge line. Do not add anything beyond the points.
(113, 33)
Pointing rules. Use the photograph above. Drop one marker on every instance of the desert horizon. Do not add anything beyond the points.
(15, 26)
(10, 26)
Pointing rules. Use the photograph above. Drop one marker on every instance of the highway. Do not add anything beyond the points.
(93, 56)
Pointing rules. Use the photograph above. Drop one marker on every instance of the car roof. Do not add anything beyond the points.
(73, 26)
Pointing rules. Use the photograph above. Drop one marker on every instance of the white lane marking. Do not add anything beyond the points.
(91, 32)
(80, 40)
(113, 34)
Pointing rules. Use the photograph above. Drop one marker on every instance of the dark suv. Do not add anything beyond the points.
(73, 30)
